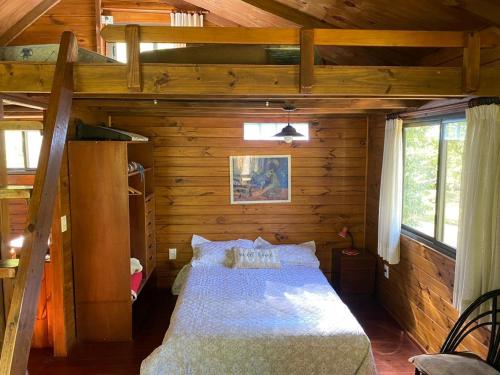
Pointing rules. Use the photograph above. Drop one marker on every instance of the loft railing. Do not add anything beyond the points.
(471, 42)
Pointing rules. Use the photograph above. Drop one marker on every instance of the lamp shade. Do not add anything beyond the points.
(288, 131)
(344, 233)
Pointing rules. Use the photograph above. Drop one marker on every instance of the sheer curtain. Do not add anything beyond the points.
(477, 268)
(391, 192)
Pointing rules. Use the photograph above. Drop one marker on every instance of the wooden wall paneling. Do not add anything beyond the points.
(191, 158)
(78, 16)
(20, 16)
(419, 290)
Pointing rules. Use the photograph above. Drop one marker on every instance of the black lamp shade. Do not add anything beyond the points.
(288, 131)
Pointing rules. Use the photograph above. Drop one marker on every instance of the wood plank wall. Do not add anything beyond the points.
(74, 15)
(18, 208)
(192, 184)
(419, 290)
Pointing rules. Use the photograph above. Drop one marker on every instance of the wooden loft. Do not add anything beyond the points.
(157, 80)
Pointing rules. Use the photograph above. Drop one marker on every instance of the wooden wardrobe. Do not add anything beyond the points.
(112, 217)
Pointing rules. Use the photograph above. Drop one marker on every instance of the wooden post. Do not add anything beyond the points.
(306, 60)
(4, 223)
(61, 344)
(134, 78)
(19, 330)
(471, 64)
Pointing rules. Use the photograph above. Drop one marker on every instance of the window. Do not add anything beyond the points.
(119, 50)
(433, 152)
(22, 148)
(265, 131)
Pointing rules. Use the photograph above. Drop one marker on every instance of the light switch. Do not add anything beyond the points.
(172, 253)
(386, 271)
(64, 224)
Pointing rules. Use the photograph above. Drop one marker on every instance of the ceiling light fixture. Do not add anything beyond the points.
(289, 132)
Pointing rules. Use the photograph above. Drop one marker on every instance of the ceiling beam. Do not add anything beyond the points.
(263, 106)
(24, 101)
(27, 13)
(136, 6)
(242, 13)
(289, 13)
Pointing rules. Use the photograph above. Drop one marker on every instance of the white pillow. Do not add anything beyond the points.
(261, 243)
(293, 255)
(255, 258)
(207, 252)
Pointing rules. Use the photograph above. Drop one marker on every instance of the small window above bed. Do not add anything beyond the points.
(265, 131)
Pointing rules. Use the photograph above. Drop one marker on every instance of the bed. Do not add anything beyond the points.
(260, 321)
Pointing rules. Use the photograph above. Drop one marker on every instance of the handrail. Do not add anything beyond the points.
(277, 36)
(471, 42)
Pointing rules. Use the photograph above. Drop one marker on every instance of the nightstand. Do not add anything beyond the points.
(353, 274)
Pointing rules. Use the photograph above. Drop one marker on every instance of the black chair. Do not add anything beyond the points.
(449, 361)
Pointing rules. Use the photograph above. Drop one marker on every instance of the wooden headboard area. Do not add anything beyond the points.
(192, 184)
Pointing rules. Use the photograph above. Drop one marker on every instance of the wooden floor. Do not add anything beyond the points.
(391, 347)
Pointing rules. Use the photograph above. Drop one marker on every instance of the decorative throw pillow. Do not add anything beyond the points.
(261, 243)
(293, 255)
(207, 253)
(255, 258)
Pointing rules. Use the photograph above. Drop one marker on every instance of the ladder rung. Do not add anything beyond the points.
(15, 192)
(8, 268)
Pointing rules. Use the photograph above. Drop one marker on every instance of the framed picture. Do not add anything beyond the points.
(260, 179)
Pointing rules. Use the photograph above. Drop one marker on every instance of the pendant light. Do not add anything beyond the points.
(289, 132)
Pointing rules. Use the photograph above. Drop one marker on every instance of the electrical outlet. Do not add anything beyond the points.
(64, 224)
(386, 271)
(172, 253)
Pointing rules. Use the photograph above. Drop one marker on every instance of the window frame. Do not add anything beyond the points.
(26, 169)
(432, 241)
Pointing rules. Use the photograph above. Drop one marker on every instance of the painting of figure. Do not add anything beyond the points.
(260, 179)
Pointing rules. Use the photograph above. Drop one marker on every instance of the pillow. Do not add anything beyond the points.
(261, 243)
(255, 258)
(293, 255)
(207, 252)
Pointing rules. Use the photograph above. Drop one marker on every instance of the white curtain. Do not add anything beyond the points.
(186, 19)
(477, 268)
(391, 192)
(183, 19)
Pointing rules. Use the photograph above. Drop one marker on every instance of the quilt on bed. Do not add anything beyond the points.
(260, 321)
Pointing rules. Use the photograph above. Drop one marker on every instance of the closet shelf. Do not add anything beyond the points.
(138, 172)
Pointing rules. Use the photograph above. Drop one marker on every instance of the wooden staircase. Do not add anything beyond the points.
(28, 274)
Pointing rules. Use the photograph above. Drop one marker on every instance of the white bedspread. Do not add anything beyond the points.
(260, 321)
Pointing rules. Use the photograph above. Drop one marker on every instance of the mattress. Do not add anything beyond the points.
(260, 321)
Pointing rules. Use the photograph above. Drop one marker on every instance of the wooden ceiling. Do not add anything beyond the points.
(16, 15)
(362, 14)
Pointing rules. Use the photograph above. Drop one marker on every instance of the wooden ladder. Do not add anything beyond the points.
(22, 312)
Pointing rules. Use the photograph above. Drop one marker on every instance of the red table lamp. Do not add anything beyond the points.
(344, 233)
